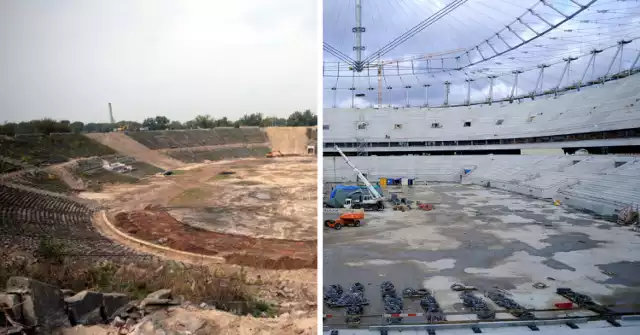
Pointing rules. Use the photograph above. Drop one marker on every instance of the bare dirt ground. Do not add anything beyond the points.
(288, 140)
(265, 198)
(154, 225)
(128, 146)
(160, 212)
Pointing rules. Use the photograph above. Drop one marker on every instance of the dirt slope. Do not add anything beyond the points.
(65, 174)
(288, 140)
(128, 146)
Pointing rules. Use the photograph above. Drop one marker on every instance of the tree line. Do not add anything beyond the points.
(48, 126)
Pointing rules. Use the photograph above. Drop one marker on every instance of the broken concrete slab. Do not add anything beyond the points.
(84, 308)
(42, 304)
(160, 294)
(150, 305)
(68, 293)
(111, 303)
(11, 304)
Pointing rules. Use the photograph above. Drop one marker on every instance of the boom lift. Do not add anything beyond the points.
(371, 201)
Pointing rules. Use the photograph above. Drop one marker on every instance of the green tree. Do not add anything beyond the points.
(204, 121)
(162, 122)
(297, 119)
(149, 123)
(224, 122)
(175, 125)
(76, 127)
(8, 129)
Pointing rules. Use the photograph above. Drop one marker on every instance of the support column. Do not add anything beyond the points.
(358, 30)
(406, 96)
(426, 94)
(468, 81)
(491, 79)
(353, 96)
(540, 81)
(446, 92)
(514, 88)
(335, 93)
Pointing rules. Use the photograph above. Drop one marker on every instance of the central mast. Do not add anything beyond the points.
(358, 30)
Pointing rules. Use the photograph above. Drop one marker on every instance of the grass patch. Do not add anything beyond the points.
(181, 172)
(98, 177)
(144, 169)
(190, 196)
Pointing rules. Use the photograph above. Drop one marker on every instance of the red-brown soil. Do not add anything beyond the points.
(157, 226)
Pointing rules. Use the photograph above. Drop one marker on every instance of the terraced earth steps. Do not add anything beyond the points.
(44, 150)
(84, 202)
(198, 155)
(29, 217)
(128, 146)
(11, 165)
(43, 180)
(173, 139)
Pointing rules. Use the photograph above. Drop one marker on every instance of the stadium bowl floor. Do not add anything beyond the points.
(487, 238)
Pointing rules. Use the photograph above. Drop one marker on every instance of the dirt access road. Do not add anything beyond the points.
(130, 147)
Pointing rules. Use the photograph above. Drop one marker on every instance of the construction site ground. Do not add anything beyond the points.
(253, 212)
(255, 216)
(487, 238)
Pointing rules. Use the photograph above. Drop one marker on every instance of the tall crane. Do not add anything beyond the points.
(375, 195)
(380, 65)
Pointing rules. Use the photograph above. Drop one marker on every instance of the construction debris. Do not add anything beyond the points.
(462, 287)
(117, 167)
(433, 311)
(335, 298)
(413, 293)
(478, 305)
(392, 303)
(514, 308)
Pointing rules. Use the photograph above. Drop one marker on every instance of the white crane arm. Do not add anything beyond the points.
(374, 193)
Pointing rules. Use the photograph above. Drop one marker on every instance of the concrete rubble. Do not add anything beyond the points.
(33, 307)
(42, 306)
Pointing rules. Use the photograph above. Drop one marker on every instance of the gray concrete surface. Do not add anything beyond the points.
(487, 238)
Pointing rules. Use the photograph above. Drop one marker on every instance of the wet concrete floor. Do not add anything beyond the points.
(487, 238)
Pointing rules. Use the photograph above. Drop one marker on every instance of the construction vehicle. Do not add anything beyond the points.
(347, 218)
(371, 201)
(272, 154)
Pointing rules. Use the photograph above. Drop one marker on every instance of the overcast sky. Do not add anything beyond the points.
(66, 59)
(475, 21)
